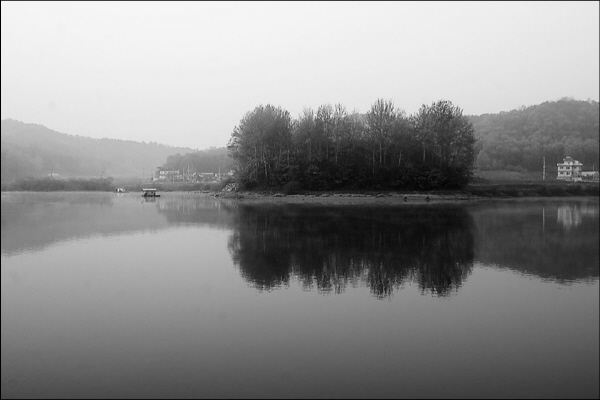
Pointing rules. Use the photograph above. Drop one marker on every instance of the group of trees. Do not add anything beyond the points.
(333, 148)
(211, 160)
(520, 139)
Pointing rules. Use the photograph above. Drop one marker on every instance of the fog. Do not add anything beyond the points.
(185, 73)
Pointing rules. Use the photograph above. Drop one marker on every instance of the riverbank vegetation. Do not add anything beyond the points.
(478, 188)
(50, 184)
(532, 189)
(333, 149)
(474, 191)
(106, 185)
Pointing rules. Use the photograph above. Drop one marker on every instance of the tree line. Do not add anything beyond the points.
(331, 148)
(210, 160)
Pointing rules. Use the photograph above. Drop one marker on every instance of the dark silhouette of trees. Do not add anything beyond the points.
(447, 139)
(332, 149)
(261, 145)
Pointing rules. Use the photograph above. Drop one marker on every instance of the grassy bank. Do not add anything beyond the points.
(524, 189)
(103, 185)
(53, 185)
(479, 188)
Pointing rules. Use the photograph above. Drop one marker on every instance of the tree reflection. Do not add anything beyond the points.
(330, 248)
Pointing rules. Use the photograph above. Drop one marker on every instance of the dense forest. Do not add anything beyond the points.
(331, 148)
(31, 150)
(210, 160)
(518, 140)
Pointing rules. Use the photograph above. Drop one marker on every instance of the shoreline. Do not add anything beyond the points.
(474, 193)
(396, 198)
(342, 197)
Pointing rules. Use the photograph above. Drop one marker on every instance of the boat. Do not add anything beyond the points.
(149, 192)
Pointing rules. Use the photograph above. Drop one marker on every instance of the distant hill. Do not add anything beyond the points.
(36, 151)
(519, 139)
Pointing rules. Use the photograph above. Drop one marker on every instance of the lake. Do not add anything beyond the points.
(110, 295)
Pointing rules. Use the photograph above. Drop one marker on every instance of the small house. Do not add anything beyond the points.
(569, 170)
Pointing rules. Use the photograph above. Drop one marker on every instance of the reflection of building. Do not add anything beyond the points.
(572, 216)
(568, 216)
(569, 170)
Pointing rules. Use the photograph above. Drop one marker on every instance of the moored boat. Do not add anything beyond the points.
(149, 192)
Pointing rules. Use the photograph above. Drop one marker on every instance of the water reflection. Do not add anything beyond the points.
(79, 320)
(527, 238)
(33, 221)
(202, 211)
(332, 247)
(328, 248)
(572, 215)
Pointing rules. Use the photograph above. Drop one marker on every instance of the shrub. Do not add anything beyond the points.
(228, 180)
(249, 185)
(216, 187)
(293, 187)
(556, 190)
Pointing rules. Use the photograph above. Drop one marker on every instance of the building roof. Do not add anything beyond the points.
(568, 159)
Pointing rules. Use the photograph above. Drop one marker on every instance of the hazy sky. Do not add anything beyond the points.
(185, 73)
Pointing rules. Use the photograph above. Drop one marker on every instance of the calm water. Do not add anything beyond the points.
(107, 295)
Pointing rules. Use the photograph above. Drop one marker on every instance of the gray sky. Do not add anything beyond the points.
(184, 74)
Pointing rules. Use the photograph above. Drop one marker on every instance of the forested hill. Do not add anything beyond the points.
(518, 140)
(34, 150)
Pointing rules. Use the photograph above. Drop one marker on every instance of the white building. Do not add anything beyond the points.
(169, 176)
(569, 170)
